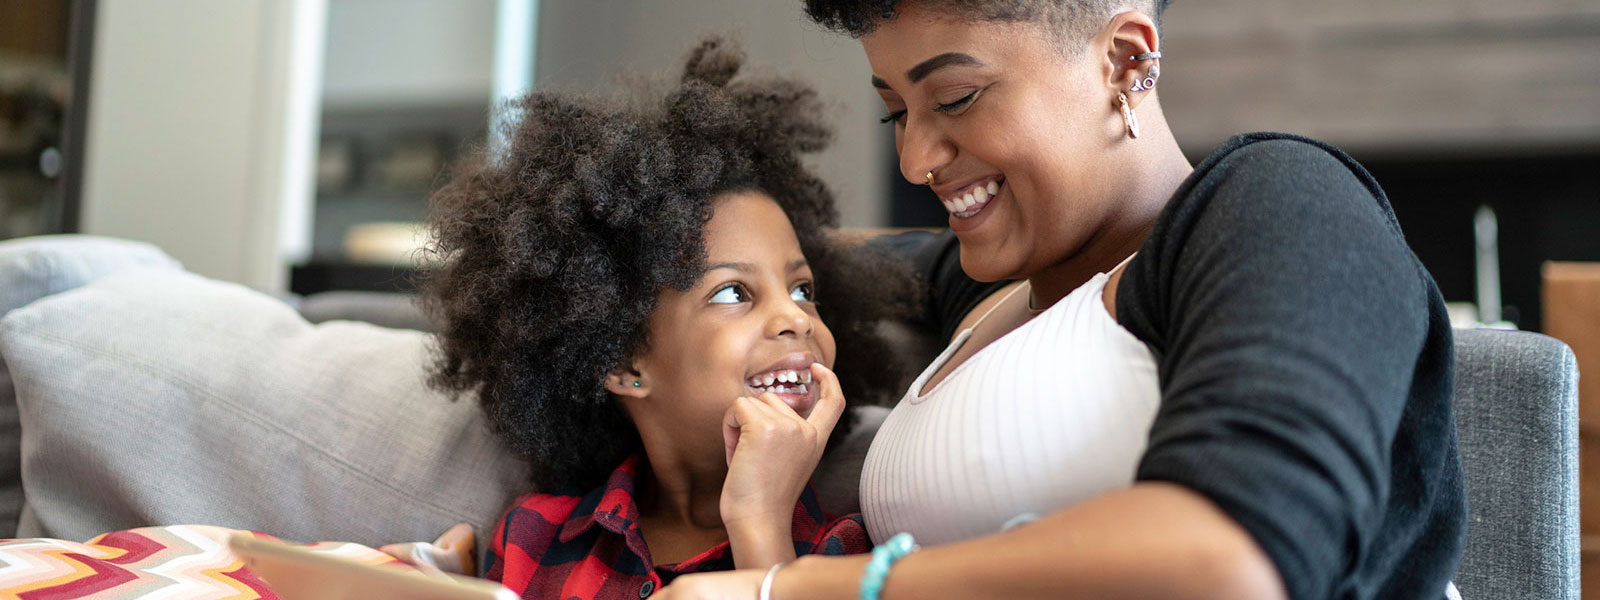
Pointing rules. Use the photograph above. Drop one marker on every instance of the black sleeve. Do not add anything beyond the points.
(936, 258)
(1287, 315)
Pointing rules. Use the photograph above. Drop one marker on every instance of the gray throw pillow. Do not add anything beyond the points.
(160, 397)
(32, 268)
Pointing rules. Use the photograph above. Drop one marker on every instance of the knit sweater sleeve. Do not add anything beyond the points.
(1287, 316)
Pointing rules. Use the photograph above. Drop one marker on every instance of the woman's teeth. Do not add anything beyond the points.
(775, 382)
(973, 200)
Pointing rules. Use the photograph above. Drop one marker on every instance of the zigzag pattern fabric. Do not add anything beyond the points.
(192, 562)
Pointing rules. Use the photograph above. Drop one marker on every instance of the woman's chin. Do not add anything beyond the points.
(982, 264)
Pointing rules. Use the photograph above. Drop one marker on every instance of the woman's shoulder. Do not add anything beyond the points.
(1284, 171)
(1275, 185)
(1279, 217)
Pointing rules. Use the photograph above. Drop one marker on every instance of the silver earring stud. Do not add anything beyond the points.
(1149, 81)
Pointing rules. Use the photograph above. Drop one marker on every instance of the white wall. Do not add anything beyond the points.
(202, 123)
(587, 44)
(384, 52)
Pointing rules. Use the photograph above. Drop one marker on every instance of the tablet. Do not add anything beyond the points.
(295, 573)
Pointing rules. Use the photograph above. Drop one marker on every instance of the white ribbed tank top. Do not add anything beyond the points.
(1052, 413)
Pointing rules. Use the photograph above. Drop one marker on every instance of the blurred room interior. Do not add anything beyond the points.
(290, 145)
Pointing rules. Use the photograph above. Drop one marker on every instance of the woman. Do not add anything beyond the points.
(1278, 387)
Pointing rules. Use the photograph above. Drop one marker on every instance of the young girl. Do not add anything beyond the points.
(627, 290)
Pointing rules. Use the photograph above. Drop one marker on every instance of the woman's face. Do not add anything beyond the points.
(748, 326)
(1017, 135)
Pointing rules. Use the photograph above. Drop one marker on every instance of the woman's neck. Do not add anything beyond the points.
(1155, 169)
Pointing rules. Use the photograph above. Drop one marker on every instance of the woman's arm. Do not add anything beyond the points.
(1151, 540)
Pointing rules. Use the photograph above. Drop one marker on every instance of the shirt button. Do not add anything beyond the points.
(644, 590)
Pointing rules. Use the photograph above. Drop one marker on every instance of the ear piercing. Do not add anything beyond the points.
(637, 383)
(1149, 81)
(930, 178)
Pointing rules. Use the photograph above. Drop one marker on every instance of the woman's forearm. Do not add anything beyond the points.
(1150, 540)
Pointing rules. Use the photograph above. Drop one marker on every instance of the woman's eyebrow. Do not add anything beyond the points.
(927, 67)
(941, 61)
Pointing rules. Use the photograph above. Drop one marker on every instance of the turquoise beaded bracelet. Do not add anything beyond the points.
(883, 557)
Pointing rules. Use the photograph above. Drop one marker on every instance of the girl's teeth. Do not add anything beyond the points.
(981, 195)
(994, 188)
(967, 202)
(768, 380)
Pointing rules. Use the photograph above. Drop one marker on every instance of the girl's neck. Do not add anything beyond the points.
(679, 512)
(674, 491)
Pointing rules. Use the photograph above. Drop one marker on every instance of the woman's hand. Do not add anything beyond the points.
(771, 453)
(726, 585)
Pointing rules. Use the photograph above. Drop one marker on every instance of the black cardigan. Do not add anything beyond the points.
(1305, 365)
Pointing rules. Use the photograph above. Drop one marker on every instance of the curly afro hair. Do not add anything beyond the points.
(547, 257)
(1070, 21)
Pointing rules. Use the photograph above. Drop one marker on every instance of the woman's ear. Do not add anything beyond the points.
(627, 383)
(1130, 34)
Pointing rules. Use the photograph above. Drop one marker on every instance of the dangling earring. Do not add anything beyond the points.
(1128, 118)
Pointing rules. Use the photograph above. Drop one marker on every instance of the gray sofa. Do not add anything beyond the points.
(135, 393)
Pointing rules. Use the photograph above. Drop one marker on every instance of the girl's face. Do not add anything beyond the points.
(1018, 136)
(748, 326)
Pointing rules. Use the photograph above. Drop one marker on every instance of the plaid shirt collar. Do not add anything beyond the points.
(612, 507)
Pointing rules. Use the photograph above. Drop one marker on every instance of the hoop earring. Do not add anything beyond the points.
(1128, 118)
(930, 178)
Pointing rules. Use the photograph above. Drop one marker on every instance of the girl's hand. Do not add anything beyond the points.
(771, 453)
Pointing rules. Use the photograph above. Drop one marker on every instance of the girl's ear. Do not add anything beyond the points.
(628, 383)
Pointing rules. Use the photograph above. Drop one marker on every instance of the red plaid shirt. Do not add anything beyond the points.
(566, 547)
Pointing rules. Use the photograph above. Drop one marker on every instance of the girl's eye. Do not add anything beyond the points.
(957, 104)
(802, 293)
(893, 117)
(731, 294)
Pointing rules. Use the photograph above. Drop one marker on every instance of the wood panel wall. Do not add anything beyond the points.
(1375, 75)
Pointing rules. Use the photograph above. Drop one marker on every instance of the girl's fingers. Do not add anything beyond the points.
(744, 412)
(830, 400)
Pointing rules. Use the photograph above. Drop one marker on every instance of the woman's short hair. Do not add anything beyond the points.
(1070, 22)
(549, 255)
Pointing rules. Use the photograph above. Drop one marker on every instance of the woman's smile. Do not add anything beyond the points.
(970, 204)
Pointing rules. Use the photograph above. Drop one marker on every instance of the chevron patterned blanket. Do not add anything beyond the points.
(190, 562)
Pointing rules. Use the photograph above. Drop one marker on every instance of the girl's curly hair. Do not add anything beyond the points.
(548, 256)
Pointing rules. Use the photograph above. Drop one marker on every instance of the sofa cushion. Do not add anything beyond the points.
(33, 268)
(160, 397)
